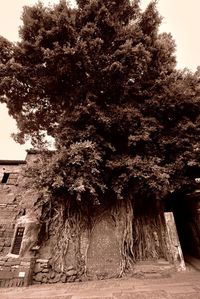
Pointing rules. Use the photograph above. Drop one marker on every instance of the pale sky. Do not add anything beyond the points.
(181, 18)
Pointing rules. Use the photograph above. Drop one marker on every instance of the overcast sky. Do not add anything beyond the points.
(181, 18)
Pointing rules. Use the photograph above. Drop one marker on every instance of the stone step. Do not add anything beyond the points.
(153, 269)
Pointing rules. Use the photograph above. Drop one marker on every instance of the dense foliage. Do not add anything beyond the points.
(102, 81)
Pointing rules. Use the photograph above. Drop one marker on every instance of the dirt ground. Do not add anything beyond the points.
(178, 285)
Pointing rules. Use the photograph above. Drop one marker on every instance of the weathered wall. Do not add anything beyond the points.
(100, 248)
(9, 208)
(43, 273)
(103, 255)
(8, 212)
(15, 270)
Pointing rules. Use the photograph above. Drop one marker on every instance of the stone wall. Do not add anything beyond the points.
(15, 271)
(99, 250)
(9, 208)
(43, 273)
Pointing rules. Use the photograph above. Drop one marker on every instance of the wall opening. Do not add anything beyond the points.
(186, 218)
(17, 240)
(5, 178)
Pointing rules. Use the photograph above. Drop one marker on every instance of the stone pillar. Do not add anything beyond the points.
(174, 243)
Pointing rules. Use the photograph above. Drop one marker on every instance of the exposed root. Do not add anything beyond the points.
(140, 236)
(63, 231)
(148, 238)
(123, 215)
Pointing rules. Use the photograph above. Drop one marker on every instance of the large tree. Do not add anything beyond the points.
(102, 81)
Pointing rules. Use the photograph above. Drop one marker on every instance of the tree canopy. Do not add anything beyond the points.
(102, 81)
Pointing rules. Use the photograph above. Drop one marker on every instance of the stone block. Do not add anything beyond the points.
(11, 263)
(71, 273)
(15, 267)
(44, 279)
(37, 268)
(57, 278)
(3, 205)
(71, 279)
(45, 270)
(38, 277)
(4, 258)
(42, 261)
(8, 242)
(52, 275)
(1, 233)
(26, 259)
(25, 264)
(63, 278)
(70, 268)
